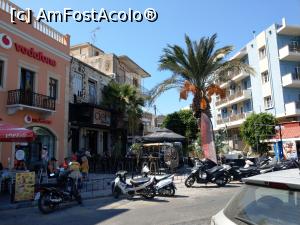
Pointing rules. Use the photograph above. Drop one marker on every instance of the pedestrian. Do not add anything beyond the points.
(85, 167)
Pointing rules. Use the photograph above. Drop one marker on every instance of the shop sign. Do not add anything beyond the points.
(31, 52)
(5, 41)
(30, 119)
(24, 186)
(101, 117)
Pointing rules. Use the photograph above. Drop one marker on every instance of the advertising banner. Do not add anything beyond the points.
(24, 186)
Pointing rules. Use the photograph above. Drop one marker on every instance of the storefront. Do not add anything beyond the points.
(34, 71)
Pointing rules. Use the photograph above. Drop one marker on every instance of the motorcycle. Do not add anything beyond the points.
(140, 186)
(203, 174)
(164, 185)
(249, 169)
(51, 196)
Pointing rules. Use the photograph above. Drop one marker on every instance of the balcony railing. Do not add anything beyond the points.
(296, 76)
(294, 48)
(6, 6)
(22, 97)
(232, 118)
(231, 97)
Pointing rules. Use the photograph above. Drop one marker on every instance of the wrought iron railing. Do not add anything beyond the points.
(30, 98)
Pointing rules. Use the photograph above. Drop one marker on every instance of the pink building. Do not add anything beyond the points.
(34, 74)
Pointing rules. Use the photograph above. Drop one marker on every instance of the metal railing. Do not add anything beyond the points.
(231, 97)
(30, 98)
(6, 6)
(232, 118)
(294, 48)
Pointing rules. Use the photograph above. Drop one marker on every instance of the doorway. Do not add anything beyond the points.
(91, 145)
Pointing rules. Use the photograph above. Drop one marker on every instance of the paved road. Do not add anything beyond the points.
(191, 206)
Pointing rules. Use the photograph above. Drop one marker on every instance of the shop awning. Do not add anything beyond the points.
(13, 133)
(289, 130)
(163, 135)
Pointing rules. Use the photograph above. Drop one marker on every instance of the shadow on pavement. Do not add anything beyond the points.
(216, 186)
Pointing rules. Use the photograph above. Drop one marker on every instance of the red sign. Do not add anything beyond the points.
(34, 54)
(5, 41)
(39, 120)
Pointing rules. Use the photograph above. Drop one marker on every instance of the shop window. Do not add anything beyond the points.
(268, 102)
(265, 77)
(53, 88)
(262, 52)
(1, 73)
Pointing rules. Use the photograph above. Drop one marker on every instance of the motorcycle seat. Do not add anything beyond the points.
(138, 181)
(162, 178)
(214, 169)
(248, 169)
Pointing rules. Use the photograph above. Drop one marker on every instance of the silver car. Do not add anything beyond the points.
(266, 199)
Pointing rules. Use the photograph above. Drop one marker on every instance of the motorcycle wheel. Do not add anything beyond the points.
(149, 192)
(171, 191)
(189, 181)
(116, 192)
(44, 204)
(221, 181)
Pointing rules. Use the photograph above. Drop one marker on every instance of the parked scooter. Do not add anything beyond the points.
(141, 186)
(164, 186)
(250, 169)
(203, 174)
(51, 196)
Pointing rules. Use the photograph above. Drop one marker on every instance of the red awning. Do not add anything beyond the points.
(13, 133)
(289, 130)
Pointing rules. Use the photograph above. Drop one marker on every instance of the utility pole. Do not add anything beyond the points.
(155, 120)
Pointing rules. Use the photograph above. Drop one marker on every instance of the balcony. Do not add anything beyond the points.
(292, 108)
(6, 6)
(290, 53)
(234, 76)
(21, 99)
(238, 96)
(291, 80)
(232, 121)
(85, 114)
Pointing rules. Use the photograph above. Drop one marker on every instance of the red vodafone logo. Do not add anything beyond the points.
(5, 41)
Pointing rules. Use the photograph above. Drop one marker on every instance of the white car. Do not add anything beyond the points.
(266, 199)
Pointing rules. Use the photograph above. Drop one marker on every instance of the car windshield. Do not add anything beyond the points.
(256, 205)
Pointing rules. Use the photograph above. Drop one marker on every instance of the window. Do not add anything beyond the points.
(92, 92)
(77, 84)
(27, 80)
(265, 77)
(53, 88)
(1, 73)
(135, 82)
(268, 102)
(262, 52)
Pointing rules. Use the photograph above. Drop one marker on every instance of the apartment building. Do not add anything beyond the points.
(275, 88)
(90, 123)
(123, 70)
(34, 71)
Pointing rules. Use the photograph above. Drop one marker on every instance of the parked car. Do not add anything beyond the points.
(272, 198)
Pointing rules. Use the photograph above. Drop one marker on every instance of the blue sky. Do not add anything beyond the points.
(232, 20)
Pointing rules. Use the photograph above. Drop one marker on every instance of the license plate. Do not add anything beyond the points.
(37, 196)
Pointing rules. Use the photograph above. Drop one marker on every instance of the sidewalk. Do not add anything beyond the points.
(98, 185)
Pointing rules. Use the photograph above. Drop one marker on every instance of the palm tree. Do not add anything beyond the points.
(125, 100)
(197, 69)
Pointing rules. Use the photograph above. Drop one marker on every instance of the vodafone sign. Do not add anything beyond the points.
(5, 41)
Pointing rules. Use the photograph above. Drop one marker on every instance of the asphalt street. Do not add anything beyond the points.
(193, 205)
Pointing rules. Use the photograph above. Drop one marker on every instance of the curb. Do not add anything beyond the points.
(34, 203)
